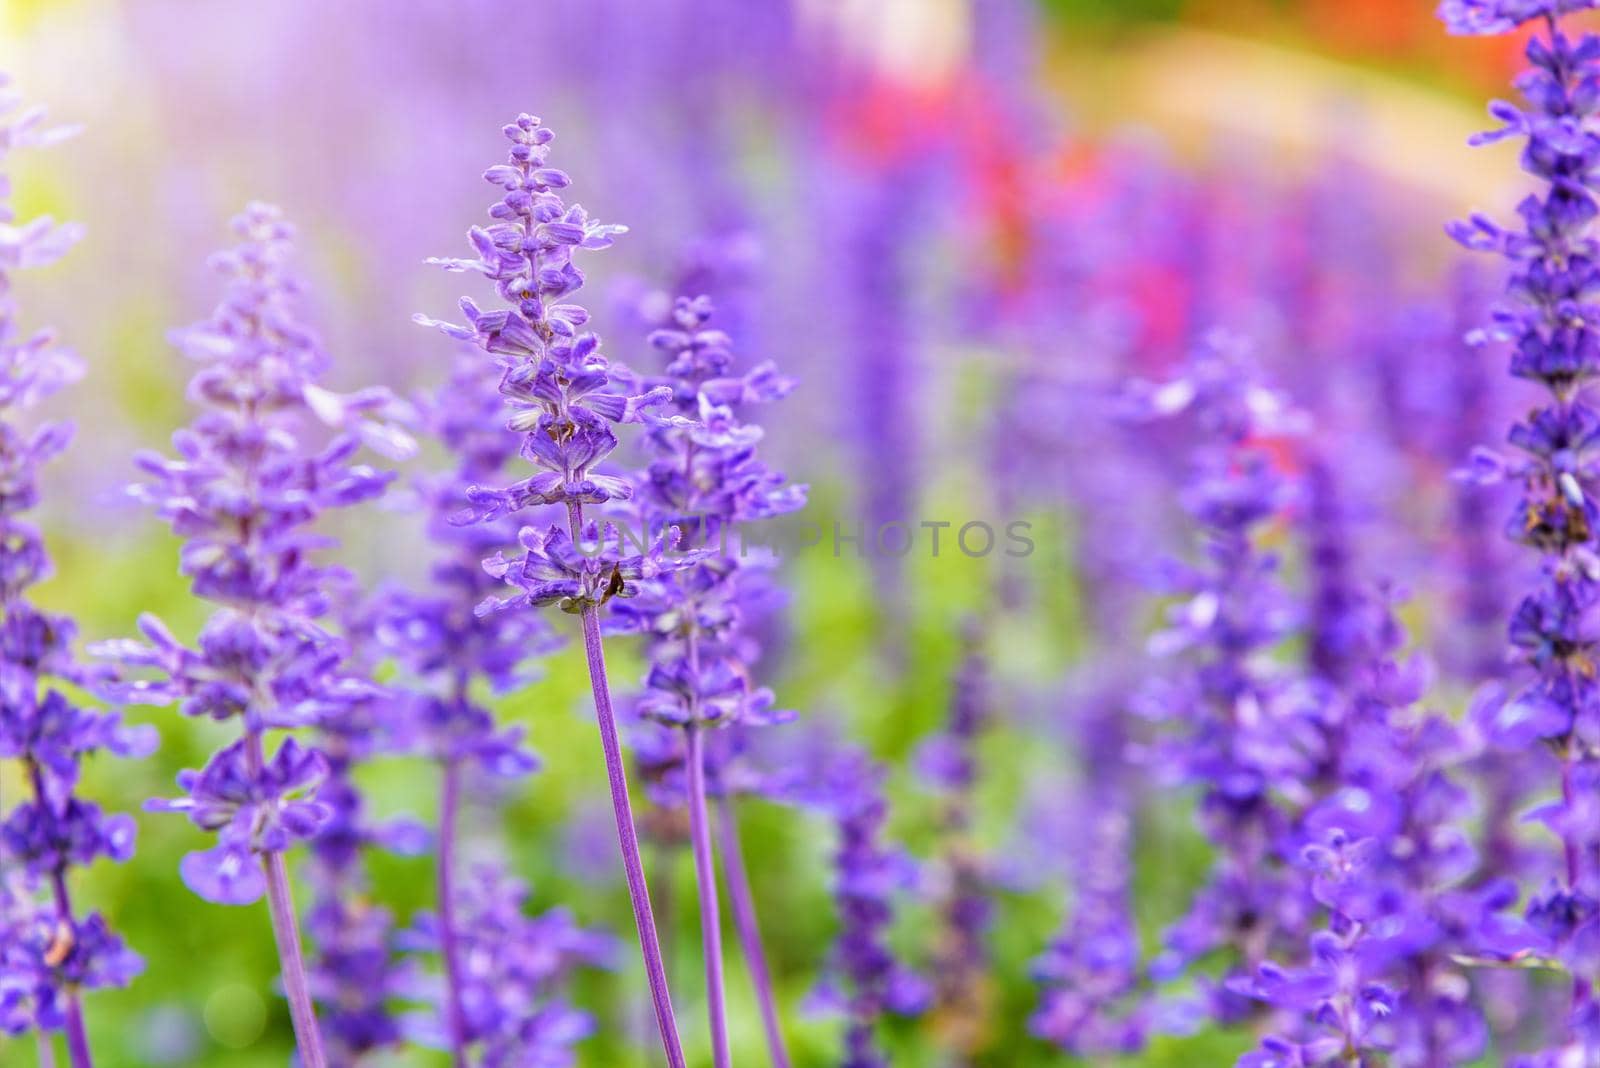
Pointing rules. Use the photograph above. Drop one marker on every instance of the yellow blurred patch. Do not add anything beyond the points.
(19, 15)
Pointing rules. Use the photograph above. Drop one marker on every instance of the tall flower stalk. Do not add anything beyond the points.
(243, 493)
(49, 951)
(1384, 853)
(451, 651)
(1222, 699)
(555, 382)
(1553, 324)
(705, 482)
(864, 976)
(948, 762)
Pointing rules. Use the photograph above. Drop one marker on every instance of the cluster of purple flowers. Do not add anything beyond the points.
(556, 384)
(865, 978)
(1229, 706)
(247, 484)
(949, 764)
(1364, 884)
(1553, 328)
(50, 951)
(703, 483)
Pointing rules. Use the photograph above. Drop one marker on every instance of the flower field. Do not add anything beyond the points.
(799, 532)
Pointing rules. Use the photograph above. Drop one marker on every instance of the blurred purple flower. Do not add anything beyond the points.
(864, 979)
(48, 953)
(247, 486)
(948, 764)
(514, 971)
(1503, 16)
(1230, 722)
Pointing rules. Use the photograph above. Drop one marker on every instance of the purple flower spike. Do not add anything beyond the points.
(864, 979)
(269, 451)
(557, 387)
(1225, 711)
(704, 482)
(1503, 16)
(514, 972)
(49, 953)
(1552, 324)
(357, 970)
(948, 762)
(449, 648)
(1385, 856)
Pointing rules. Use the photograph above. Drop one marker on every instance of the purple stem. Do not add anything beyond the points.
(627, 834)
(306, 1034)
(77, 1038)
(744, 918)
(705, 874)
(286, 933)
(449, 806)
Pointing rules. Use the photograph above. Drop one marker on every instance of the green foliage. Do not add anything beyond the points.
(1114, 10)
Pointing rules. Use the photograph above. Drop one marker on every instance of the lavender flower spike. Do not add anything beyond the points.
(449, 649)
(1223, 703)
(48, 953)
(704, 481)
(243, 492)
(555, 382)
(1553, 322)
(948, 762)
(863, 978)
(1503, 16)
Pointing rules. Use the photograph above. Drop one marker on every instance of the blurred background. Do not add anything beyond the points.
(943, 216)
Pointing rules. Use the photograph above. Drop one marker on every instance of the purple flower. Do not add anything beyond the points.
(1229, 716)
(1553, 328)
(515, 968)
(879, 223)
(254, 807)
(704, 481)
(45, 959)
(243, 494)
(1385, 855)
(555, 380)
(356, 971)
(704, 484)
(251, 477)
(557, 387)
(948, 763)
(1334, 631)
(1094, 999)
(1503, 16)
(48, 952)
(864, 979)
